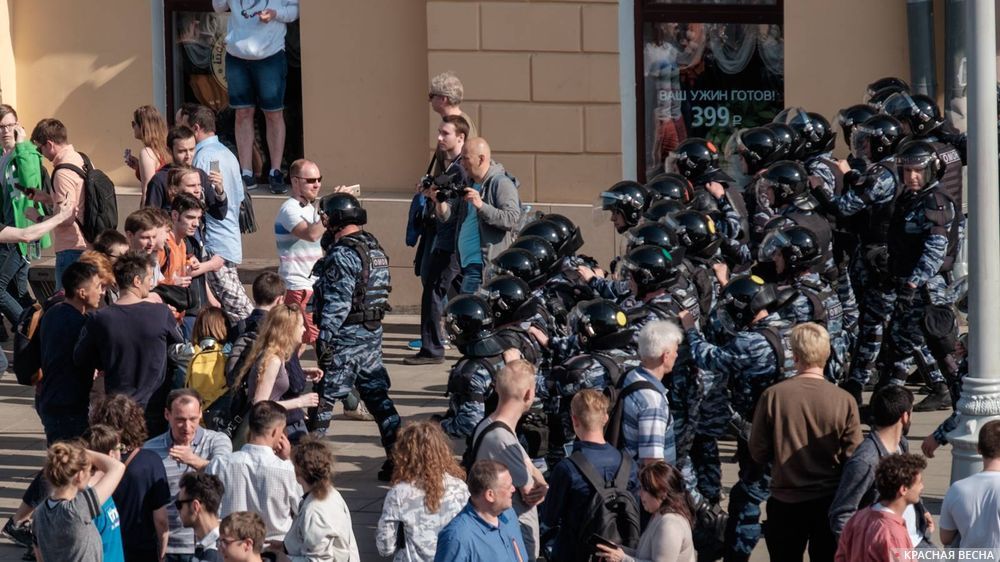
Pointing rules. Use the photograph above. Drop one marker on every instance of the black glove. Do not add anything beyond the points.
(324, 354)
(853, 177)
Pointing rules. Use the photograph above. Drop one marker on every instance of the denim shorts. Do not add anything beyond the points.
(253, 81)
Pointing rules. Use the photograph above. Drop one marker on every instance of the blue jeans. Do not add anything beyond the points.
(472, 278)
(13, 274)
(65, 259)
(257, 81)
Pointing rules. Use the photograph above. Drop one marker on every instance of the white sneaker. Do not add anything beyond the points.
(360, 414)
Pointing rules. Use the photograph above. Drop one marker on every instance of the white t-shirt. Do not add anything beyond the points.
(972, 507)
(296, 256)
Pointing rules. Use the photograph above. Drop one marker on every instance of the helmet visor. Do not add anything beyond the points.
(798, 119)
(773, 242)
(861, 142)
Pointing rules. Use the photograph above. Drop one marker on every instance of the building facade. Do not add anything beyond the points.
(573, 95)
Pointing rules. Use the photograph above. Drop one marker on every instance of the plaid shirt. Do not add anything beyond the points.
(255, 479)
(647, 426)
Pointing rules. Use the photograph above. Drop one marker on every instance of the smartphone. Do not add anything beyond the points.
(354, 190)
(213, 166)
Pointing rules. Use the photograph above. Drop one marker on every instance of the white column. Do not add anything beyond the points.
(626, 86)
(980, 400)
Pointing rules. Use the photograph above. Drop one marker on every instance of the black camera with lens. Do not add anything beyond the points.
(449, 186)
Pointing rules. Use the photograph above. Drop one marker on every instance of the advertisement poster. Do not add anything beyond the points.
(708, 80)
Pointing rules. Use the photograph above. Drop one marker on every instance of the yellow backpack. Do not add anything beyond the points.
(207, 371)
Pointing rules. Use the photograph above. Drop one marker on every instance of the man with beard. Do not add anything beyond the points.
(892, 408)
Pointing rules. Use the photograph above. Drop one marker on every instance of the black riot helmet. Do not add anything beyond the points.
(507, 296)
(878, 91)
(662, 208)
(651, 267)
(521, 264)
(756, 147)
(600, 324)
(674, 187)
(787, 140)
(541, 249)
(628, 198)
(342, 209)
(652, 233)
(798, 246)
(695, 231)
(917, 113)
(468, 319)
(920, 156)
(570, 239)
(813, 133)
(850, 117)
(543, 229)
(787, 181)
(693, 158)
(742, 299)
(876, 138)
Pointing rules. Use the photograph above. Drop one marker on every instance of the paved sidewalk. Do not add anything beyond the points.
(418, 393)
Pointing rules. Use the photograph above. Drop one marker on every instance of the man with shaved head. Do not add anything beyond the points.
(487, 212)
(297, 234)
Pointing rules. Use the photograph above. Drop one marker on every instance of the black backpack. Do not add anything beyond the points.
(100, 205)
(613, 511)
(472, 446)
(616, 397)
(27, 362)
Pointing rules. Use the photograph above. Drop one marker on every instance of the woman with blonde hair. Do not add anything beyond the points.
(428, 490)
(321, 530)
(64, 523)
(149, 127)
(278, 340)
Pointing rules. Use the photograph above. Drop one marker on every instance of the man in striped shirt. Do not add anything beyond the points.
(647, 426)
(185, 447)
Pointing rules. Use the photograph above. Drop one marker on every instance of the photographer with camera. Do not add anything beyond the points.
(437, 264)
(486, 214)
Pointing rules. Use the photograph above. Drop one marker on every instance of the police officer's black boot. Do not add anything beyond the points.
(938, 399)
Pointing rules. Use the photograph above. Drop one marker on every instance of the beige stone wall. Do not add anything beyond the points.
(541, 82)
(88, 67)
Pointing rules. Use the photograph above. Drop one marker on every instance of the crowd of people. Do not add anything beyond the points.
(183, 426)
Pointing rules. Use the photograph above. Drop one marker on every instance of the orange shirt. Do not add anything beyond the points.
(175, 260)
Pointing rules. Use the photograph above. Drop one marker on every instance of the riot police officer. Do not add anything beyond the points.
(626, 201)
(870, 195)
(698, 160)
(755, 356)
(796, 254)
(923, 242)
(351, 296)
(469, 324)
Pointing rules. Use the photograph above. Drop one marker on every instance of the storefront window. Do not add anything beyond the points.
(705, 80)
(196, 68)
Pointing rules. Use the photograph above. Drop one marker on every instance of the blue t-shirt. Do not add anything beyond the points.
(470, 251)
(111, 534)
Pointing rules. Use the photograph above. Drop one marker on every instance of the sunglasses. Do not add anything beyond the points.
(179, 503)
(310, 180)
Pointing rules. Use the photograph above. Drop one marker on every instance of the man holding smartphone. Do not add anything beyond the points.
(222, 237)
